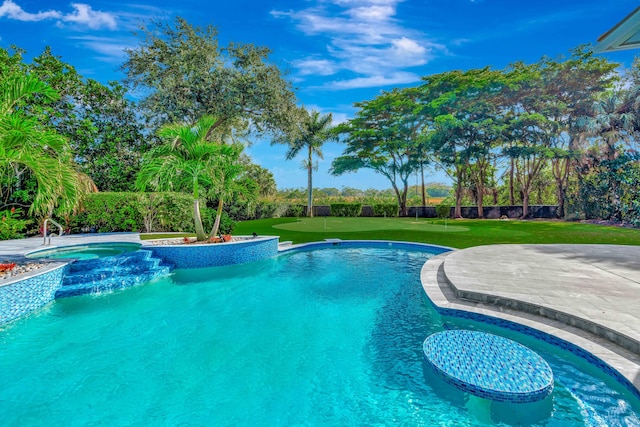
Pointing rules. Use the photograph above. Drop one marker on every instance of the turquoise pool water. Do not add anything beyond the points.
(271, 343)
(85, 252)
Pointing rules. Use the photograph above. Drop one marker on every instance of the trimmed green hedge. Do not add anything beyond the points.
(386, 209)
(346, 209)
(144, 212)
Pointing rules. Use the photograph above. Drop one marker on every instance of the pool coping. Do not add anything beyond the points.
(441, 294)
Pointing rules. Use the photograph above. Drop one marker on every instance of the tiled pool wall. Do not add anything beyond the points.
(215, 255)
(24, 296)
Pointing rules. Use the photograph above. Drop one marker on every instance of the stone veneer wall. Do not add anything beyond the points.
(24, 296)
(217, 254)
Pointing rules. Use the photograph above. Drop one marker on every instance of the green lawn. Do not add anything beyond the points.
(456, 233)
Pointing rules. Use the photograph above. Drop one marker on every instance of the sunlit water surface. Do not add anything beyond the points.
(324, 337)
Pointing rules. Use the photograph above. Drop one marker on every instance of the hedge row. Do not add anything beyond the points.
(386, 210)
(346, 209)
(145, 212)
(173, 212)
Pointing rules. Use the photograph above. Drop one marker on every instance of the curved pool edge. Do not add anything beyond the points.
(330, 243)
(618, 362)
(215, 255)
(30, 254)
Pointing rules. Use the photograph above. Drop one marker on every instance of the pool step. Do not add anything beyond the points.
(122, 259)
(111, 273)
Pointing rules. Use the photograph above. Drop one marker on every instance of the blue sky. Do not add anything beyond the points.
(336, 52)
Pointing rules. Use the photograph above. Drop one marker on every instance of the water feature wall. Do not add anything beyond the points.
(218, 254)
(23, 296)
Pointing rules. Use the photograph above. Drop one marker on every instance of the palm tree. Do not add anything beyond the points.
(186, 160)
(314, 130)
(231, 180)
(25, 144)
(189, 160)
(612, 121)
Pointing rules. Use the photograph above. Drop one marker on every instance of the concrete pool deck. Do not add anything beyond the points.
(17, 248)
(585, 294)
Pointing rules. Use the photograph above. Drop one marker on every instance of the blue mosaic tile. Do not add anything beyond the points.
(24, 296)
(543, 336)
(111, 273)
(489, 366)
(214, 255)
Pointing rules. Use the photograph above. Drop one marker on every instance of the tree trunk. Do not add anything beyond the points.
(200, 236)
(216, 224)
(525, 204)
(403, 206)
(560, 194)
(457, 212)
(424, 192)
(310, 185)
(480, 190)
(560, 168)
(512, 197)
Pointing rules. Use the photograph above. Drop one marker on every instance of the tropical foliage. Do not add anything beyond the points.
(29, 147)
(189, 160)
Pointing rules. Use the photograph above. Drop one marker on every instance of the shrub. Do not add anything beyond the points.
(110, 212)
(443, 210)
(346, 209)
(166, 211)
(12, 225)
(295, 210)
(385, 209)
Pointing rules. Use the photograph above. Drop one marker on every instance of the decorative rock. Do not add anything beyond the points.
(489, 366)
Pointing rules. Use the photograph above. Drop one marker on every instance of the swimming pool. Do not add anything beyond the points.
(269, 343)
(86, 252)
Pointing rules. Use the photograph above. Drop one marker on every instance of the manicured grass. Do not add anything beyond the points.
(456, 233)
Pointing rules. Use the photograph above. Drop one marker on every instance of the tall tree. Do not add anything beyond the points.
(314, 131)
(570, 85)
(182, 73)
(467, 126)
(612, 123)
(382, 137)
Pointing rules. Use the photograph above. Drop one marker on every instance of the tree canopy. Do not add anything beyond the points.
(181, 73)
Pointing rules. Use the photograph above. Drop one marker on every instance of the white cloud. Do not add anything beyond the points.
(110, 49)
(397, 78)
(83, 14)
(12, 11)
(92, 18)
(318, 67)
(365, 38)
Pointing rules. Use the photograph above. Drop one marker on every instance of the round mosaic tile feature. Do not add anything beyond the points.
(489, 366)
